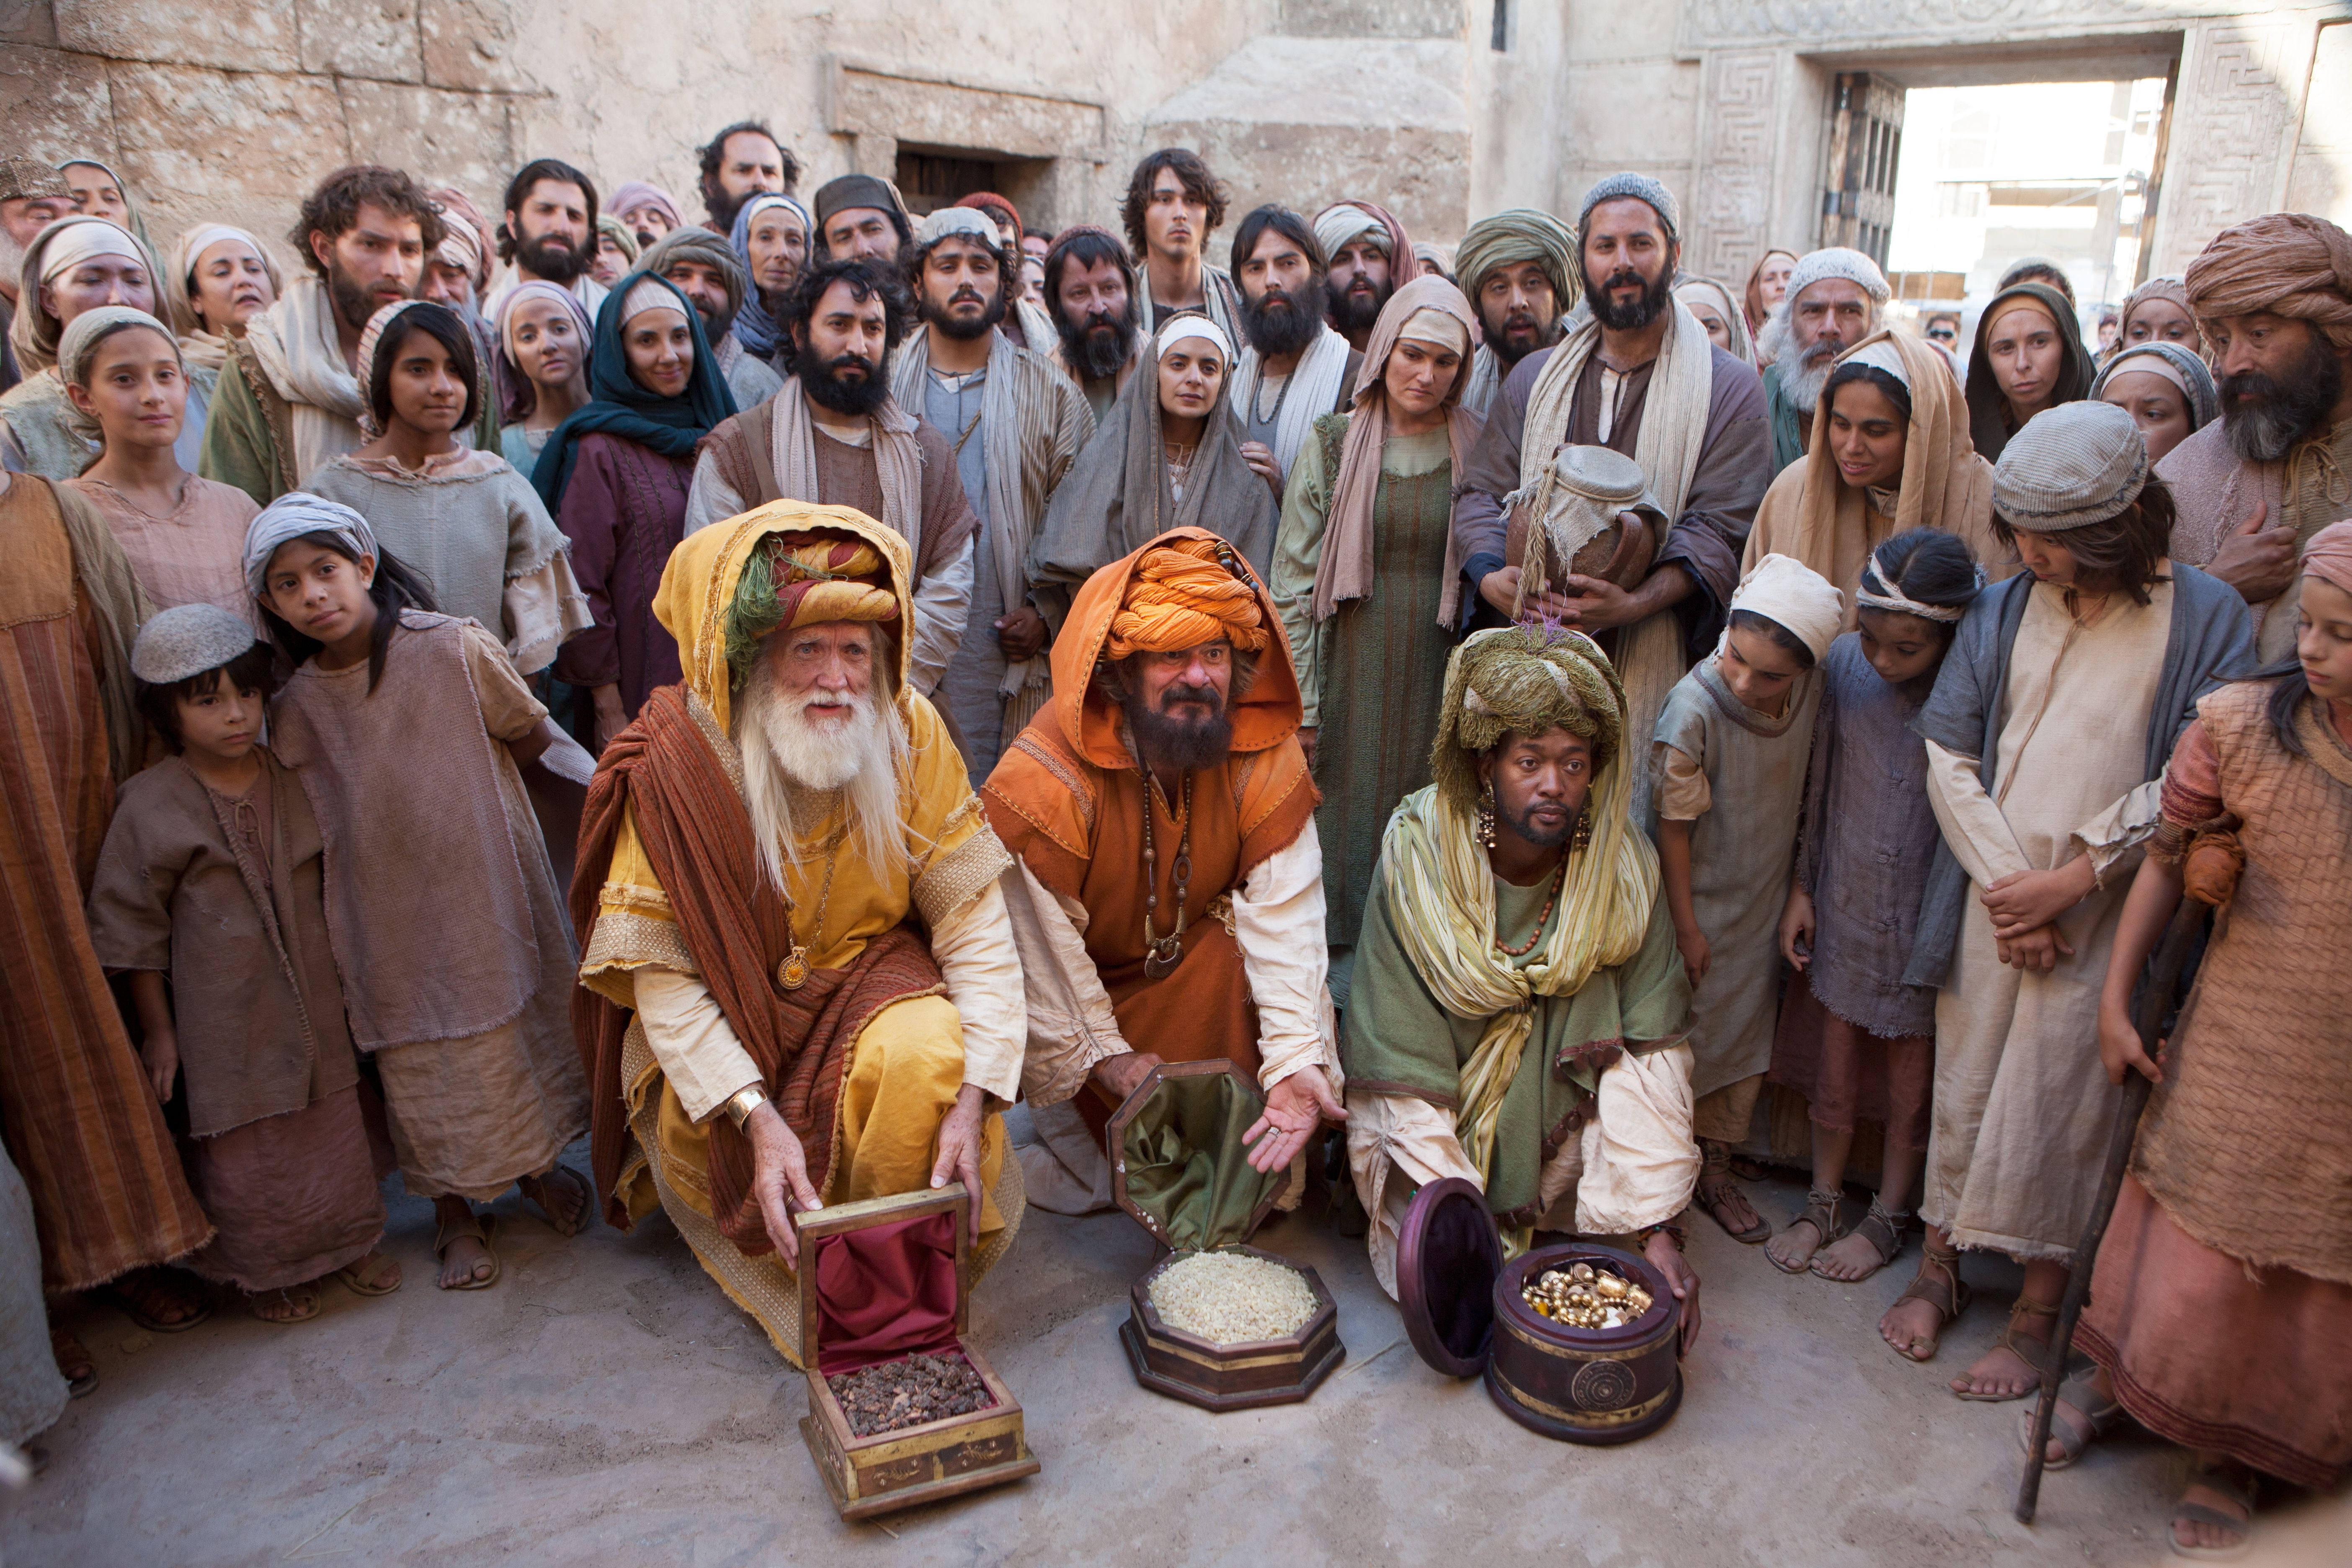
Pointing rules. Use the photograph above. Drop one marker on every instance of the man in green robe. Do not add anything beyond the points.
(1519, 1016)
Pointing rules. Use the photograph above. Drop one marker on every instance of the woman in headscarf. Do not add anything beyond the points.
(2158, 313)
(1358, 569)
(1889, 451)
(464, 520)
(617, 250)
(771, 239)
(221, 278)
(1768, 285)
(617, 475)
(2029, 356)
(649, 211)
(78, 263)
(544, 335)
(1167, 456)
(2164, 386)
(98, 191)
(1710, 301)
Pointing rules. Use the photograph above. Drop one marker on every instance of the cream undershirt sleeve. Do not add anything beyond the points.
(1640, 1164)
(1279, 921)
(1070, 1025)
(692, 1040)
(1973, 826)
(982, 965)
(942, 605)
(1683, 793)
(709, 498)
(2110, 838)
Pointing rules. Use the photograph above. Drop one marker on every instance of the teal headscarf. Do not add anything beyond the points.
(619, 406)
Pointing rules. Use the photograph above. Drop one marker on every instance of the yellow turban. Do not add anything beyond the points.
(1183, 595)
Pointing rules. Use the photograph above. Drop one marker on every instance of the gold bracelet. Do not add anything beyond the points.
(742, 1102)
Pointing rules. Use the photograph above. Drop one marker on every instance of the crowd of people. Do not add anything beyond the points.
(768, 693)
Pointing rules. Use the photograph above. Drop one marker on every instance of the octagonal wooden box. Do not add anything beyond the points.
(1185, 1366)
(891, 1470)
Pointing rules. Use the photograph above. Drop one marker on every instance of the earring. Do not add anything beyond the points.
(1485, 828)
(1583, 839)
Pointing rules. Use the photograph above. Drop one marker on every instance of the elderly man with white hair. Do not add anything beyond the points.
(803, 986)
(1834, 300)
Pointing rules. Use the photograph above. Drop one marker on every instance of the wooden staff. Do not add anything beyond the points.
(2156, 999)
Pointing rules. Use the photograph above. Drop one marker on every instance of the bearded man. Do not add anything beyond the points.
(739, 163)
(766, 1024)
(834, 435)
(550, 231)
(32, 195)
(1834, 300)
(2273, 298)
(1371, 256)
(1173, 203)
(1544, 1059)
(860, 215)
(1169, 895)
(1295, 368)
(709, 273)
(290, 397)
(1014, 424)
(1025, 322)
(1639, 376)
(1518, 269)
(1096, 306)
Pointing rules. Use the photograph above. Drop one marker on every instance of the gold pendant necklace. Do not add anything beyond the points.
(1161, 954)
(792, 970)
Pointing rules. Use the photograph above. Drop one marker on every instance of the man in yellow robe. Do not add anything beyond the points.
(801, 986)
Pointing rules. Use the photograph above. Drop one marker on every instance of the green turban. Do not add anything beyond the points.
(1508, 238)
(1523, 680)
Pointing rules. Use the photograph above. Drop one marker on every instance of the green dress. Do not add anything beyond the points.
(1397, 1039)
(1372, 677)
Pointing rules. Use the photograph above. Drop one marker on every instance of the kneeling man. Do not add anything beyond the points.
(1519, 1016)
(767, 1025)
(1169, 893)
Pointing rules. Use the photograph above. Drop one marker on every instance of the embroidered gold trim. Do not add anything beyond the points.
(959, 875)
(637, 898)
(625, 939)
(1063, 774)
(722, 745)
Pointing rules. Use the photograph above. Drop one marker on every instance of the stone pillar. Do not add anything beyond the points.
(2235, 116)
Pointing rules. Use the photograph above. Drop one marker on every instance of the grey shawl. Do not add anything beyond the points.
(1117, 499)
(2211, 640)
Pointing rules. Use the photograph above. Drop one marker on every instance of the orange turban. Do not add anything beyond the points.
(2290, 264)
(1184, 595)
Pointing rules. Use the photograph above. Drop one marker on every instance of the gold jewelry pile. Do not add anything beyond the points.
(1584, 1297)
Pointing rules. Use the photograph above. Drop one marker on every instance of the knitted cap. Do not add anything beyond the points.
(1642, 188)
(1838, 261)
(2070, 467)
(25, 179)
(188, 640)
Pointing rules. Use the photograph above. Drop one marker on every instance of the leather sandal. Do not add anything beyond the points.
(1716, 1164)
(481, 1229)
(1937, 1283)
(73, 1362)
(306, 1300)
(2032, 1352)
(1882, 1229)
(2080, 1419)
(366, 1276)
(1825, 1212)
(2234, 1481)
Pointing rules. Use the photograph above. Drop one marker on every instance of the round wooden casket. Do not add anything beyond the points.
(1464, 1314)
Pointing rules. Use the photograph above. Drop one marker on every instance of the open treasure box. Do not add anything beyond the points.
(902, 1409)
(1468, 1312)
(1214, 1322)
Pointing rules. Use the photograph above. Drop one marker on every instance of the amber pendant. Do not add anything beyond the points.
(793, 971)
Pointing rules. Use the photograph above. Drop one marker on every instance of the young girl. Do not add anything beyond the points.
(1730, 747)
(544, 331)
(209, 892)
(409, 729)
(1854, 1040)
(464, 520)
(183, 534)
(2047, 730)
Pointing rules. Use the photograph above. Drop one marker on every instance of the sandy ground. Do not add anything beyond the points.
(606, 1404)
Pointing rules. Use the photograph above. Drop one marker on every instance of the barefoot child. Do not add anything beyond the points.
(1854, 1040)
(2047, 732)
(1731, 746)
(208, 892)
(409, 729)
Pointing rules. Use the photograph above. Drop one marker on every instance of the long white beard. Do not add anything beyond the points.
(1802, 383)
(783, 750)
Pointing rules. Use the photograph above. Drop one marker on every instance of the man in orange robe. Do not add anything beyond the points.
(1168, 895)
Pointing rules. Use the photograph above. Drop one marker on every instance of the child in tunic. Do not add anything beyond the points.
(409, 729)
(464, 520)
(2047, 735)
(209, 893)
(1730, 749)
(1855, 1041)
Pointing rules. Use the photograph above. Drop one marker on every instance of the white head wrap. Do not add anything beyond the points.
(71, 246)
(1837, 261)
(1877, 594)
(766, 199)
(1880, 355)
(188, 640)
(1177, 327)
(1441, 328)
(650, 294)
(203, 237)
(541, 288)
(290, 517)
(87, 330)
(1344, 224)
(1788, 592)
(942, 222)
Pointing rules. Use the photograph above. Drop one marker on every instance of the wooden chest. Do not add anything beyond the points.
(880, 1266)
